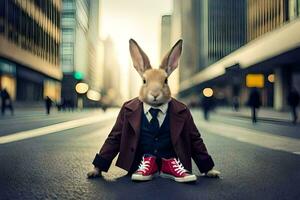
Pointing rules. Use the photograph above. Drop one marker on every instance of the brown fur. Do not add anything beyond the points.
(155, 90)
(155, 85)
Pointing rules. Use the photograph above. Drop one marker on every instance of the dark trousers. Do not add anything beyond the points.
(4, 106)
(206, 114)
(294, 114)
(48, 110)
(253, 112)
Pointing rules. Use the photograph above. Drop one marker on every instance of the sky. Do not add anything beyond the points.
(136, 19)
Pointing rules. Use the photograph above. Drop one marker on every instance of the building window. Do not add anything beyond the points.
(2, 16)
(292, 9)
(67, 48)
(67, 35)
(68, 5)
(298, 8)
(68, 18)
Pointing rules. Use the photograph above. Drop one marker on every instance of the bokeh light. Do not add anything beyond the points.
(271, 78)
(81, 88)
(93, 95)
(208, 92)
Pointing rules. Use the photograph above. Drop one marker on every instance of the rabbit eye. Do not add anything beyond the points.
(166, 81)
(144, 81)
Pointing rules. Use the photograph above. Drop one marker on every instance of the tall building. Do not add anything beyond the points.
(265, 16)
(241, 45)
(29, 53)
(165, 37)
(211, 29)
(111, 74)
(176, 34)
(80, 46)
(95, 46)
(166, 44)
(226, 25)
(74, 45)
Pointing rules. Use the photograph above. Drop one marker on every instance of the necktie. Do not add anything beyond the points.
(154, 121)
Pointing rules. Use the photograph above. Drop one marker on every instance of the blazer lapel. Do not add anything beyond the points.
(176, 120)
(134, 115)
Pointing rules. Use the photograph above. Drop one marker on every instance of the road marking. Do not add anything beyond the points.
(56, 128)
(259, 138)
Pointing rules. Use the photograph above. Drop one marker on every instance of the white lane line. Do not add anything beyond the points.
(55, 128)
(259, 138)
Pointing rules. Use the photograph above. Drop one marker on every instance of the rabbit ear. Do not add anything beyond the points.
(140, 60)
(171, 60)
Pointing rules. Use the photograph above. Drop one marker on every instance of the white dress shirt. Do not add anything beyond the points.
(161, 114)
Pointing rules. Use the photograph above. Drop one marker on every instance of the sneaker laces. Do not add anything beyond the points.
(178, 167)
(144, 165)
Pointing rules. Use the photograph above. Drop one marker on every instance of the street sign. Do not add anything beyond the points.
(255, 80)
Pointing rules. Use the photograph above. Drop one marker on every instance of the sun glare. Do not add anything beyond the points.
(121, 21)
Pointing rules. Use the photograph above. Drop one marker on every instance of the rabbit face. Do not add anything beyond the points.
(155, 90)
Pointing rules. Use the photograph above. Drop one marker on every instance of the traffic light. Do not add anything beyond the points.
(78, 75)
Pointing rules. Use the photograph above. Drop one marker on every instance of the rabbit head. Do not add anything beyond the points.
(155, 90)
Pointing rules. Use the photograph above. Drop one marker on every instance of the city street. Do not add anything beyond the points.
(47, 157)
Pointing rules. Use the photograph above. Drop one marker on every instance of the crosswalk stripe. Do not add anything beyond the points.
(55, 128)
(259, 138)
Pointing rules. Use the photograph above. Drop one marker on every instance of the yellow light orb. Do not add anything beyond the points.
(208, 92)
(271, 78)
(81, 88)
(93, 95)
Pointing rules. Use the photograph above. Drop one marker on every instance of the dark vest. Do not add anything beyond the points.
(158, 143)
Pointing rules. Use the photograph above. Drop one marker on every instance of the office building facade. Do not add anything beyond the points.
(165, 37)
(74, 46)
(211, 29)
(29, 53)
(262, 39)
(80, 46)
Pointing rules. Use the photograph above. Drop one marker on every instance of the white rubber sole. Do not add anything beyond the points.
(190, 178)
(139, 177)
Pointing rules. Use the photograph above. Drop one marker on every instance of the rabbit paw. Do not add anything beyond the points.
(94, 173)
(213, 173)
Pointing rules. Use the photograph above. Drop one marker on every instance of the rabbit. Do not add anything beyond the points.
(154, 92)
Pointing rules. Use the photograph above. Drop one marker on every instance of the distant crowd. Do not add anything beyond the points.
(207, 104)
(254, 102)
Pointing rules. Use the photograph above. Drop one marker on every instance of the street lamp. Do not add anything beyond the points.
(271, 78)
(81, 88)
(208, 92)
(93, 95)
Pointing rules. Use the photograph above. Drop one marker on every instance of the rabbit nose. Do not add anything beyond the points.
(155, 95)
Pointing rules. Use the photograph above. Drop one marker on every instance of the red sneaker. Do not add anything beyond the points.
(172, 168)
(146, 170)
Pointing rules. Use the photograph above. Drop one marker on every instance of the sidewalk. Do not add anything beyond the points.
(266, 114)
(38, 110)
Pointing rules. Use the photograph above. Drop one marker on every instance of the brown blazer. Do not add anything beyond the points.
(124, 138)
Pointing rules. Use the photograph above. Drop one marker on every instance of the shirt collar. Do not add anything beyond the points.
(163, 108)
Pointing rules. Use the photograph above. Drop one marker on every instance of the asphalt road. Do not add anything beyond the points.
(54, 166)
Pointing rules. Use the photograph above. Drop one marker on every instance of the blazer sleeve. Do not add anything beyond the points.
(111, 146)
(199, 151)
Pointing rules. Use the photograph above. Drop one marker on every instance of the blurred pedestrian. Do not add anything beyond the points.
(254, 102)
(207, 105)
(6, 102)
(293, 101)
(48, 104)
(235, 103)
